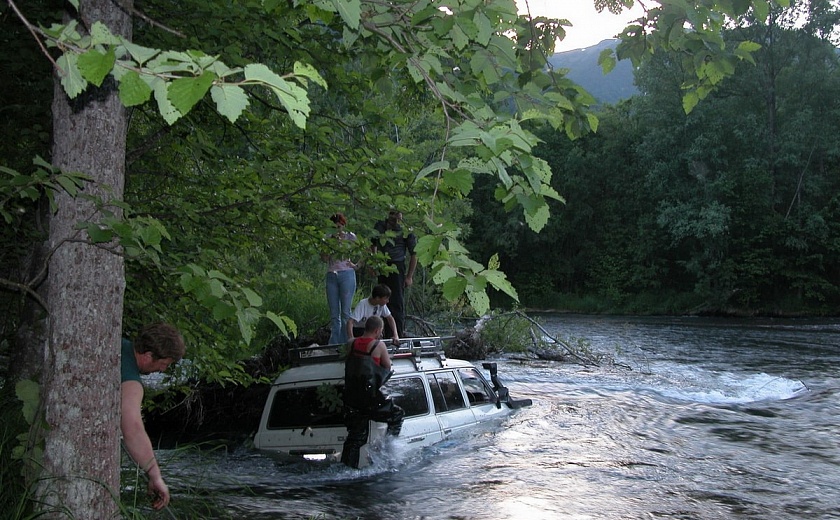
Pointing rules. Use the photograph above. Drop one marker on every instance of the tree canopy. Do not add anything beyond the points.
(727, 209)
(205, 144)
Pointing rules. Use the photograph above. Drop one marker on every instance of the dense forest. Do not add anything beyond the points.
(733, 208)
(180, 163)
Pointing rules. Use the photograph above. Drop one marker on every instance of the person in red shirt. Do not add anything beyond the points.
(367, 368)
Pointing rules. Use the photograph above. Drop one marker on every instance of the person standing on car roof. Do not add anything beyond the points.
(398, 244)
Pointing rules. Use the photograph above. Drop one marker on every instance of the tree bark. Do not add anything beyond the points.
(81, 377)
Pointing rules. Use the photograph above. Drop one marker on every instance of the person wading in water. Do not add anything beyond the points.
(367, 368)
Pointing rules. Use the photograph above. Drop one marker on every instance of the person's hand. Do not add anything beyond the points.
(159, 493)
(396, 340)
(409, 281)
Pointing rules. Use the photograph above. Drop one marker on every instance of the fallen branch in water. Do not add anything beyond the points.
(572, 352)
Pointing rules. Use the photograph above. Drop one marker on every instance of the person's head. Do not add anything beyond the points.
(373, 326)
(381, 293)
(157, 346)
(339, 219)
(395, 216)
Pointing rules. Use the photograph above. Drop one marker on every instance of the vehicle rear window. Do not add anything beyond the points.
(309, 406)
(409, 393)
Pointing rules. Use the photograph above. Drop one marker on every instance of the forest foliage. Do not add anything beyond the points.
(729, 209)
(250, 123)
(226, 208)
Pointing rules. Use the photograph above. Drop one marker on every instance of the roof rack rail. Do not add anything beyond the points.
(417, 347)
(408, 347)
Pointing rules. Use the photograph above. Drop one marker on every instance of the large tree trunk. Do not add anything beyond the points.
(81, 379)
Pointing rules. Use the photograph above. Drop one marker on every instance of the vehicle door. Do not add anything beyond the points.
(480, 395)
(303, 420)
(419, 425)
(450, 403)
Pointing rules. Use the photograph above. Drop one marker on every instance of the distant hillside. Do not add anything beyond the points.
(584, 70)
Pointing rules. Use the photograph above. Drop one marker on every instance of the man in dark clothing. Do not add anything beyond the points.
(399, 246)
(367, 368)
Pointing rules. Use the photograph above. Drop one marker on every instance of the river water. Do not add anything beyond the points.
(699, 419)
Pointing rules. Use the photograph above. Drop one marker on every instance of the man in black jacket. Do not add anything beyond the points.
(399, 245)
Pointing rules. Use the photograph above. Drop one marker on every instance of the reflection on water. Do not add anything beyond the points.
(717, 419)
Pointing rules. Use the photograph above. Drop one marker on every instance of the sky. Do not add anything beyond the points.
(588, 25)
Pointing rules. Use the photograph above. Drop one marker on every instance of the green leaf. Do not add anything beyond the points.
(607, 60)
(485, 28)
(247, 319)
(184, 93)
(94, 65)
(690, 100)
(29, 393)
(444, 274)
(99, 235)
(453, 288)
(271, 5)
(433, 167)
(71, 78)
(217, 288)
(218, 275)
(459, 38)
(140, 54)
(461, 180)
(427, 248)
(350, 11)
(101, 35)
(293, 98)
(68, 185)
(230, 100)
(254, 299)
(284, 323)
(308, 71)
(499, 280)
(479, 301)
(593, 121)
(537, 219)
(150, 235)
(133, 90)
(223, 310)
(169, 113)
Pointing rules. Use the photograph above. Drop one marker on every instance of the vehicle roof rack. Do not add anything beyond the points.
(409, 347)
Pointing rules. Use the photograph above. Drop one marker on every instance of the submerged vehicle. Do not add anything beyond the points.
(303, 414)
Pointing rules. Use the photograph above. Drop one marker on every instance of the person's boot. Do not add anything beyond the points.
(350, 457)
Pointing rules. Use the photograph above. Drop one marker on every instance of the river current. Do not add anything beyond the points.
(699, 419)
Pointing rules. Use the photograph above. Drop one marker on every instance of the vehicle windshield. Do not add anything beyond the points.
(478, 390)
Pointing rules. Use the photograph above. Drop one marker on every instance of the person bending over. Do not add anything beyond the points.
(375, 305)
(156, 347)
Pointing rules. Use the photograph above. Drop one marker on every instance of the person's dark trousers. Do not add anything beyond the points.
(357, 435)
(396, 281)
(390, 413)
(358, 427)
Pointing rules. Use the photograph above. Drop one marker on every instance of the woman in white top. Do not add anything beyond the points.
(340, 280)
